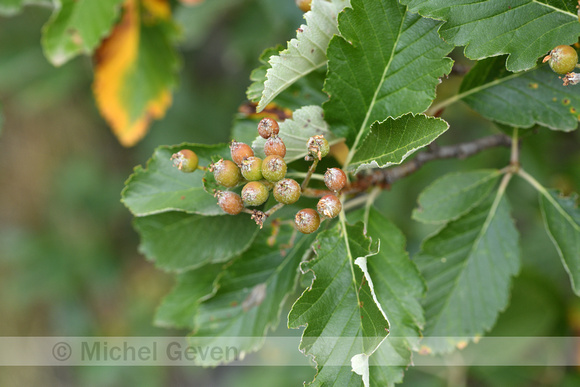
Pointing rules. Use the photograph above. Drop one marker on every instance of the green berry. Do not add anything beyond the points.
(307, 221)
(335, 179)
(329, 206)
(275, 146)
(230, 202)
(268, 127)
(562, 59)
(318, 146)
(226, 173)
(287, 191)
(252, 168)
(273, 168)
(185, 160)
(254, 194)
(240, 151)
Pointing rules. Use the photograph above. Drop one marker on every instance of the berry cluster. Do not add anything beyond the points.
(259, 177)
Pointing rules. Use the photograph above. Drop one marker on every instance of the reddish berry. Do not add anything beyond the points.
(226, 173)
(230, 202)
(335, 179)
(252, 168)
(287, 191)
(562, 59)
(318, 146)
(307, 221)
(329, 206)
(240, 151)
(185, 160)
(254, 194)
(304, 5)
(275, 146)
(273, 168)
(268, 127)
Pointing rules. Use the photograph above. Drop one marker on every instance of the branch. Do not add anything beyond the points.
(385, 177)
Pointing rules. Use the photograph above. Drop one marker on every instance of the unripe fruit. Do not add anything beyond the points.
(252, 168)
(335, 179)
(287, 191)
(273, 168)
(226, 173)
(185, 160)
(318, 146)
(304, 5)
(254, 194)
(230, 202)
(307, 221)
(329, 206)
(268, 127)
(240, 151)
(562, 59)
(275, 146)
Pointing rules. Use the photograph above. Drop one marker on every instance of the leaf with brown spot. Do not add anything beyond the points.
(135, 70)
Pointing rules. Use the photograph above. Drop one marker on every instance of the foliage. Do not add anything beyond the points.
(364, 74)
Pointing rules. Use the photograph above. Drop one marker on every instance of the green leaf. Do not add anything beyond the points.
(454, 194)
(252, 293)
(258, 75)
(525, 29)
(179, 307)
(398, 286)
(393, 140)
(562, 220)
(161, 187)
(520, 99)
(386, 63)
(305, 123)
(77, 27)
(468, 265)
(344, 322)
(179, 242)
(305, 53)
(12, 7)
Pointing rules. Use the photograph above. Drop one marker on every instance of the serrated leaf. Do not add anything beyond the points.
(179, 242)
(562, 220)
(454, 194)
(161, 187)
(520, 99)
(393, 140)
(525, 29)
(386, 63)
(179, 307)
(252, 294)
(468, 266)
(305, 53)
(343, 321)
(398, 286)
(135, 71)
(295, 132)
(77, 27)
(12, 7)
(258, 75)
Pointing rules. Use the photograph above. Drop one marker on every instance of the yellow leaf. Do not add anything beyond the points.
(134, 75)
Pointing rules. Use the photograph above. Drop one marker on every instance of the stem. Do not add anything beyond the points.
(301, 175)
(315, 193)
(515, 155)
(309, 174)
(274, 209)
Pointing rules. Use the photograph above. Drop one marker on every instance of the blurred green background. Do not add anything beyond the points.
(69, 261)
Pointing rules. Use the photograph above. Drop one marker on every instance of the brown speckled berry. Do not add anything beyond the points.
(329, 206)
(335, 179)
(268, 127)
(307, 221)
(240, 151)
(230, 202)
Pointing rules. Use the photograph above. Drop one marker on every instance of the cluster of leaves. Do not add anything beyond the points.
(363, 73)
(382, 60)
